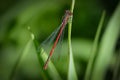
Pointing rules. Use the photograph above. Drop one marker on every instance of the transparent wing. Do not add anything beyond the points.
(47, 43)
(52, 37)
(57, 52)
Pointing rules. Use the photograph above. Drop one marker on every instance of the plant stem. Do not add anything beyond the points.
(71, 71)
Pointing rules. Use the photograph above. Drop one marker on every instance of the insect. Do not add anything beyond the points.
(60, 29)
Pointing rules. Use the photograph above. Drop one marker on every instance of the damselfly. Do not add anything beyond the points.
(60, 29)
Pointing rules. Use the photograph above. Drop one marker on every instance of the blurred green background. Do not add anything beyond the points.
(43, 16)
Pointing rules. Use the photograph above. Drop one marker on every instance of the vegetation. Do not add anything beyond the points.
(90, 49)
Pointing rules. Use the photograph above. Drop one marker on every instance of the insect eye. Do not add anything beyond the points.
(68, 12)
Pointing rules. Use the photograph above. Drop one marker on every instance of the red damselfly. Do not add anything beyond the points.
(65, 20)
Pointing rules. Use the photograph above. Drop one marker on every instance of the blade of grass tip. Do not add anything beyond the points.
(94, 49)
(51, 68)
(107, 46)
(20, 59)
(44, 75)
(71, 70)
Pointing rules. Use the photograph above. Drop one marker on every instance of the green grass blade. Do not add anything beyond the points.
(51, 72)
(94, 48)
(117, 67)
(20, 58)
(71, 70)
(107, 46)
